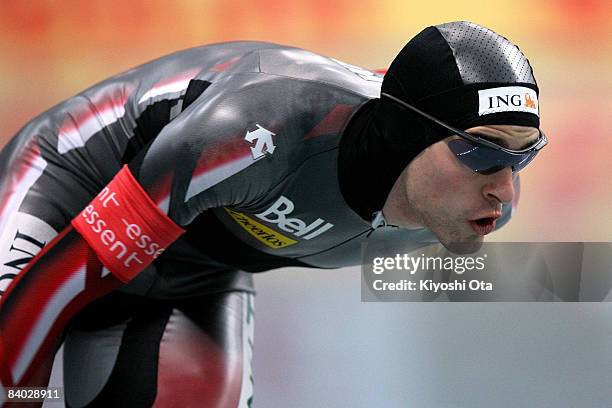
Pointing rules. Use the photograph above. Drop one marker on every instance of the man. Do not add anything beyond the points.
(146, 198)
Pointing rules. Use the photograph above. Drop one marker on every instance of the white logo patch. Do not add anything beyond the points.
(508, 99)
(264, 145)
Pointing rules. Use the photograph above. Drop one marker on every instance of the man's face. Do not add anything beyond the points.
(457, 204)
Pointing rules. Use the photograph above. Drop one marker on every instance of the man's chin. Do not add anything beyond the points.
(468, 246)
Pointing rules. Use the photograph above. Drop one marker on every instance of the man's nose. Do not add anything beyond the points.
(499, 186)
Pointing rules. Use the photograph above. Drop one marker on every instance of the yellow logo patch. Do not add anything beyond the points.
(265, 235)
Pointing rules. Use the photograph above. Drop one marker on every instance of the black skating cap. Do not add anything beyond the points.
(461, 73)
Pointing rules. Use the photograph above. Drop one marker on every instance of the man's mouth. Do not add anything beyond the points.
(483, 226)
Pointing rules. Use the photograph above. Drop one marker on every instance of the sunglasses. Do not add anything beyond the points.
(481, 155)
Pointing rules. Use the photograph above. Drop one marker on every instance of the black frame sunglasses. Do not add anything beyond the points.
(481, 155)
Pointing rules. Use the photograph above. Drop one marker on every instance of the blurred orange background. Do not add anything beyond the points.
(52, 50)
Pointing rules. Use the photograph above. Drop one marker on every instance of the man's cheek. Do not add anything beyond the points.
(443, 186)
(517, 192)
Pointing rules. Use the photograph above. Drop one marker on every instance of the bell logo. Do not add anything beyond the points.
(529, 103)
(264, 144)
(278, 212)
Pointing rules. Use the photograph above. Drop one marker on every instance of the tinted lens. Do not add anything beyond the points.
(485, 160)
(527, 158)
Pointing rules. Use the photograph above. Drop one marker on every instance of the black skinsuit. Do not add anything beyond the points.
(238, 143)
